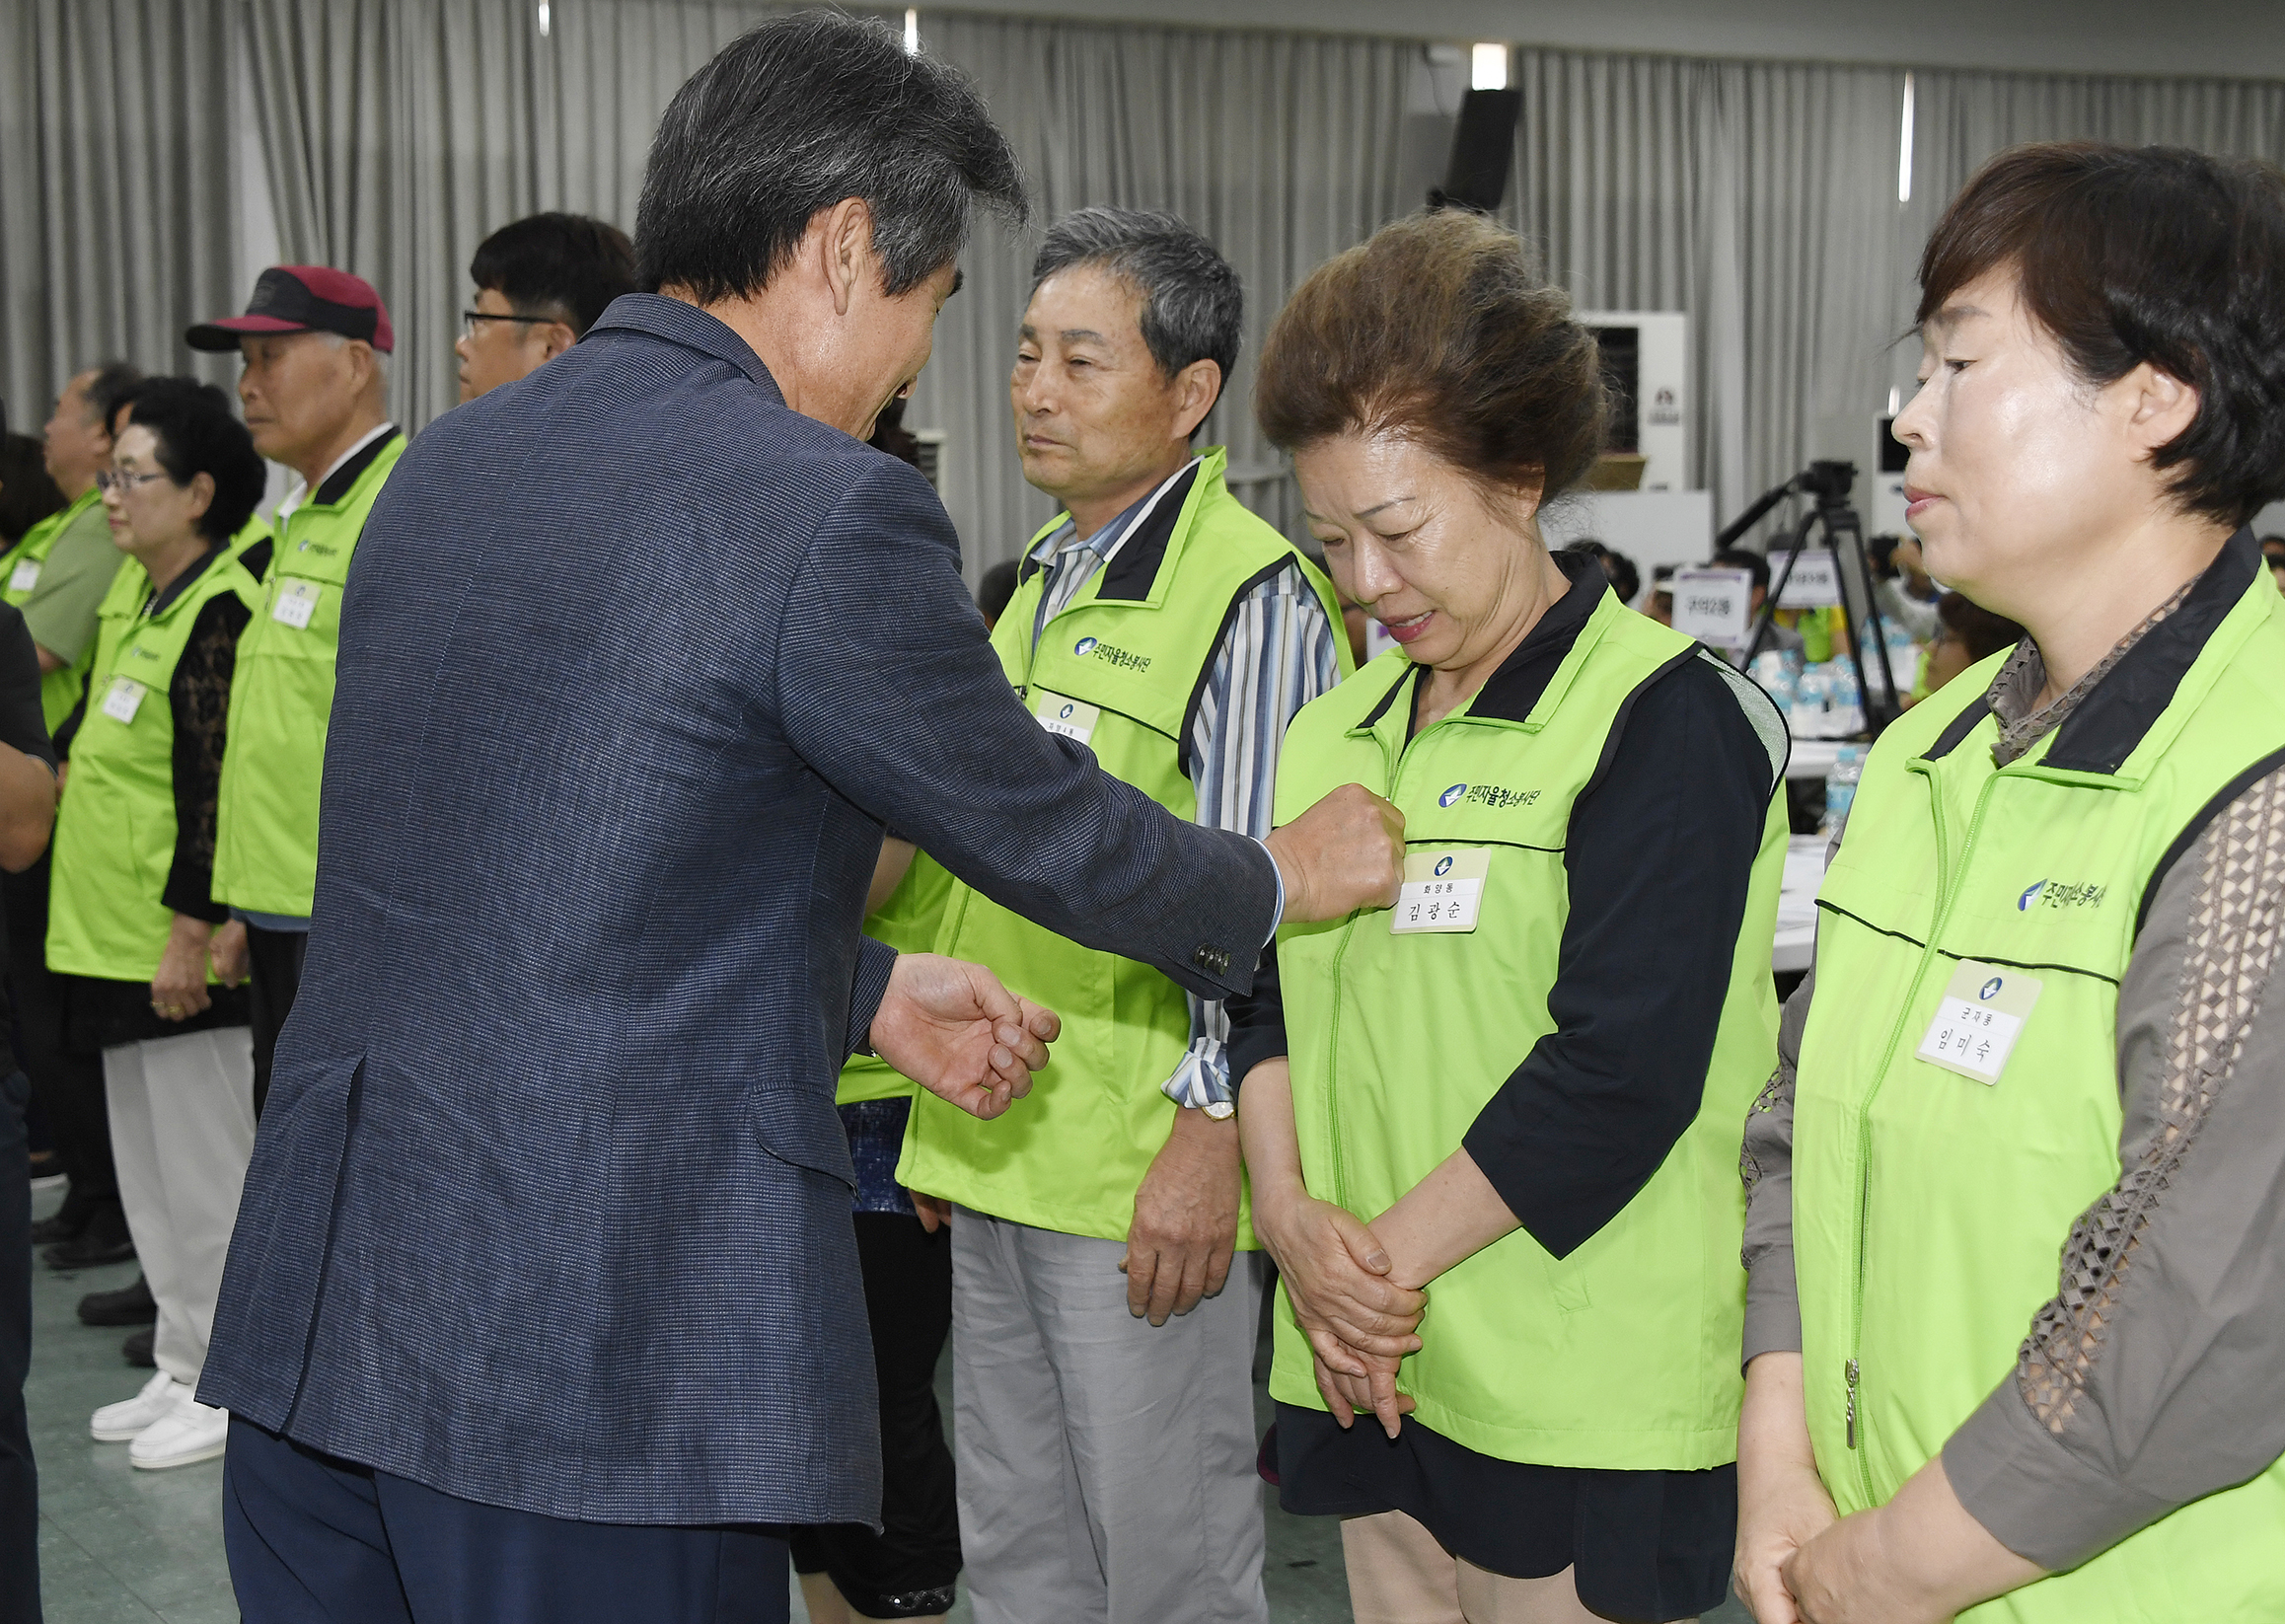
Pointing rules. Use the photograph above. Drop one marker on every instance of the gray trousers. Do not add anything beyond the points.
(181, 1115)
(1106, 1466)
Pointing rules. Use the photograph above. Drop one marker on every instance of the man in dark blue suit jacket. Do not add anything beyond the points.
(544, 1293)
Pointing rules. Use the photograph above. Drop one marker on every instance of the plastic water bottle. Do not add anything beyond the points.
(1841, 785)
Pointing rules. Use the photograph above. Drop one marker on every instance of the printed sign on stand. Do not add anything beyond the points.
(1713, 606)
(1815, 583)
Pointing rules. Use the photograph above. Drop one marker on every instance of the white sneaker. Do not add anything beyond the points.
(188, 1434)
(125, 1420)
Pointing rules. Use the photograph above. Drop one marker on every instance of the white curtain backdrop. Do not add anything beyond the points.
(117, 194)
(1760, 198)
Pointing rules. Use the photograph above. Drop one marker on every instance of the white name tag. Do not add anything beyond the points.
(1444, 891)
(296, 602)
(1072, 718)
(25, 576)
(125, 698)
(1976, 1025)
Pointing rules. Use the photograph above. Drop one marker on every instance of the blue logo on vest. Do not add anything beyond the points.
(2025, 901)
(1989, 988)
(1065, 714)
(1452, 794)
(1443, 867)
(1085, 645)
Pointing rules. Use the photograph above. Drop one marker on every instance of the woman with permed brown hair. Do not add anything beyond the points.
(1493, 1134)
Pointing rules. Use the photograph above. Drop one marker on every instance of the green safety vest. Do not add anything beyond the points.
(1929, 1207)
(115, 831)
(907, 923)
(20, 568)
(1622, 1356)
(265, 839)
(1121, 670)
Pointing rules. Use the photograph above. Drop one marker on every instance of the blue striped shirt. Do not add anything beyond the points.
(1277, 656)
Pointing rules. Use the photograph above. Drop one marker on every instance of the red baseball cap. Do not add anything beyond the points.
(303, 299)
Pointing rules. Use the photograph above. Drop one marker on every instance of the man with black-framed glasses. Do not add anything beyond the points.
(541, 283)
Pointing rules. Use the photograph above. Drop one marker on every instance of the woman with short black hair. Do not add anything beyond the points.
(132, 914)
(2045, 1015)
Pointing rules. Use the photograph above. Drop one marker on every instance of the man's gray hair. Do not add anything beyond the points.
(1192, 308)
(792, 117)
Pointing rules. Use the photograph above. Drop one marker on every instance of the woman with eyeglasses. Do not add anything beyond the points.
(133, 913)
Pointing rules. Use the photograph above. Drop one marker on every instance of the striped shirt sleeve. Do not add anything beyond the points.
(1278, 655)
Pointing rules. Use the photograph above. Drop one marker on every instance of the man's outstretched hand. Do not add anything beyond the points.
(953, 1029)
(1344, 853)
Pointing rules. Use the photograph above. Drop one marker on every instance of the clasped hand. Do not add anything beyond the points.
(1360, 1323)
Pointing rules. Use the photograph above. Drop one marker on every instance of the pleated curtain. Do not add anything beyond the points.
(117, 194)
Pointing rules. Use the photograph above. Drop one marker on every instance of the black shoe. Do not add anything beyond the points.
(66, 1223)
(137, 1348)
(104, 1240)
(128, 1305)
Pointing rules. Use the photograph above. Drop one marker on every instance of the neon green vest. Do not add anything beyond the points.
(1929, 1208)
(906, 921)
(20, 568)
(265, 843)
(1071, 1156)
(1622, 1356)
(114, 832)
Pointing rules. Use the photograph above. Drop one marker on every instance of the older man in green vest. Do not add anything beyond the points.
(316, 343)
(1104, 1427)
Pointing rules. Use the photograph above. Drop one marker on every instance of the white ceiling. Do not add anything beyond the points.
(2235, 38)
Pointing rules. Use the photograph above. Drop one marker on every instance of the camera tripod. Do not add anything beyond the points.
(1836, 524)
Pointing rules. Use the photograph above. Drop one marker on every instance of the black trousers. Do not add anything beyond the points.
(19, 1479)
(318, 1541)
(908, 1568)
(274, 979)
(70, 1087)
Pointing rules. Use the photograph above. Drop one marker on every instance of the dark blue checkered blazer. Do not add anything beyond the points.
(549, 1206)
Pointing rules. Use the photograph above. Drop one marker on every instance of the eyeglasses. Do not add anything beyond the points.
(470, 318)
(123, 483)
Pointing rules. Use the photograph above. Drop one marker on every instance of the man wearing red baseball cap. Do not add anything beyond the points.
(315, 388)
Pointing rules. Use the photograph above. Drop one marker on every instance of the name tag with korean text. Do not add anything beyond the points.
(1981, 1016)
(1443, 892)
(296, 602)
(25, 576)
(124, 700)
(1072, 719)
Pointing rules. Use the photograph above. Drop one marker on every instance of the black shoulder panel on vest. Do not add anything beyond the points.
(1134, 568)
(1372, 717)
(1269, 572)
(1967, 722)
(2110, 722)
(1618, 722)
(2197, 826)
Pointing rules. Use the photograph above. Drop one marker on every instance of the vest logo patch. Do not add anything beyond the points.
(318, 548)
(1443, 867)
(1111, 654)
(1496, 796)
(2061, 893)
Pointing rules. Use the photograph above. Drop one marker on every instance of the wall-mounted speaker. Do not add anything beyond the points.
(1483, 152)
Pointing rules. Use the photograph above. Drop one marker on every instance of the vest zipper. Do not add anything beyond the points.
(1391, 763)
(1946, 872)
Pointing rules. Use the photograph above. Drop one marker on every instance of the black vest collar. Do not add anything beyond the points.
(2111, 721)
(337, 482)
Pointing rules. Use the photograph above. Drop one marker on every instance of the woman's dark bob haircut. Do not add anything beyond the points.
(194, 432)
(2153, 253)
(1440, 329)
(797, 115)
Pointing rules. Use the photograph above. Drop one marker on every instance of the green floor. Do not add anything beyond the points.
(119, 1546)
